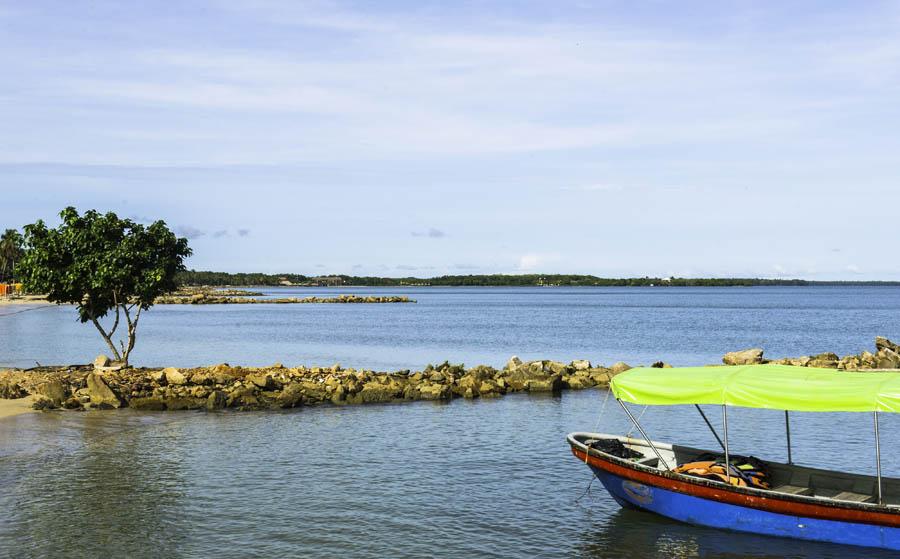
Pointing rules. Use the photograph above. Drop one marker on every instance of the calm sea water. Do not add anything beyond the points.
(683, 326)
(490, 478)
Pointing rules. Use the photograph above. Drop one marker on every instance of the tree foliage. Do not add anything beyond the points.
(11, 243)
(103, 264)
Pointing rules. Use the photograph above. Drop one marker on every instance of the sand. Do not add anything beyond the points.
(24, 300)
(10, 408)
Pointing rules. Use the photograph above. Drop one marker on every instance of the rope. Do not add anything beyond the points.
(602, 409)
(27, 310)
(587, 490)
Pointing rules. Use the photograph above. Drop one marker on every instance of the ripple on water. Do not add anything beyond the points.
(489, 478)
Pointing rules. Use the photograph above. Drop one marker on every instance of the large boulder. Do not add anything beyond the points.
(262, 380)
(752, 356)
(102, 361)
(883, 343)
(581, 364)
(827, 360)
(11, 390)
(53, 390)
(148, 403)
(887, 359)
(100, 394)
(216, 400)
(174, 376)
(619, 367)
(513, 363)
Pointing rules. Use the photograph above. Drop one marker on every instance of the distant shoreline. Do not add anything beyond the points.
(223, 279)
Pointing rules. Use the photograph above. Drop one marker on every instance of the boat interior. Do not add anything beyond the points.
(790, 479)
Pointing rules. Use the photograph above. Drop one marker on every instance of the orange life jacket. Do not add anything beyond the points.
(742, 475)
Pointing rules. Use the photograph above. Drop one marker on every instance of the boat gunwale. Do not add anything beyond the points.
(887, 515)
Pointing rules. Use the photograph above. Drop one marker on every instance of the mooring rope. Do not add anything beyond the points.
(27, 310)
(602, 409)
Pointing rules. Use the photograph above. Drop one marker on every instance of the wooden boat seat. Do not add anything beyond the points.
(854, 497)
(793, 490)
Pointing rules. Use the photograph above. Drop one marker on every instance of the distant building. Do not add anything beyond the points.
(326, 281)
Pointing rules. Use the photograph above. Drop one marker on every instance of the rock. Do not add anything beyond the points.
(884, 343)
(262, 380)
(54, 390)
(244, 398)
(744, 357)
(11, 390)
(887, 359)
(150, 403)
(849, 363)
(100, 394)
(174, 376)
(291, 397)
(72, 403)
(600, 375)
(43, 403)
(221, 377)
(660, 365)
(102, 361)
(513, 363)
(185, 403)
(159, 377)
(216, 400)
(202, 378)
(619, 367)
(578, 381)
(826, 360)
(555, 367)
(374, 392)
(553, 383)
(581, 364)
(866, 360)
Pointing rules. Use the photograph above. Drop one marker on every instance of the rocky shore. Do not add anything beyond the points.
(886, 356)
(104, 385)
(214, 298)
(276, 387)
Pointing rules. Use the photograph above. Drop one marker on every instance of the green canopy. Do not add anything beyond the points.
(780, 387)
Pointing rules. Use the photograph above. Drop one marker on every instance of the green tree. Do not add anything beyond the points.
(103, 264)
(10, 252)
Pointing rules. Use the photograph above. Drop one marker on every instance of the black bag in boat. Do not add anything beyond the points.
(614, 447)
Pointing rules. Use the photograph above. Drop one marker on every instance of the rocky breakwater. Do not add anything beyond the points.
(886, 356)
(278, 387)
(214, 298)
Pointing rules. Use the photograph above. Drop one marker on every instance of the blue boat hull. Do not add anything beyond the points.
(715, 514)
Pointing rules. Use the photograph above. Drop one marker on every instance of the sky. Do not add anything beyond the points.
(613, 138)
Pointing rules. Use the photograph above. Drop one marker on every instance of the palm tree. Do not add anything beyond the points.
(10, 251)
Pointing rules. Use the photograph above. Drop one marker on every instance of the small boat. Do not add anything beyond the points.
(721, 490)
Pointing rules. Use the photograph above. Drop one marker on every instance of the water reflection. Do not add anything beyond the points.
(631, 533)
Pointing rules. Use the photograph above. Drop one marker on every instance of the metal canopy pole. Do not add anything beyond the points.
(787, 427)
(711, 428)
(878, 457)
(727, 460)
(643, 434)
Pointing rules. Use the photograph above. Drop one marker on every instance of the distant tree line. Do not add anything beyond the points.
(193, 277)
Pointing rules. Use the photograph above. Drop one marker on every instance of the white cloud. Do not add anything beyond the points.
(528, 262)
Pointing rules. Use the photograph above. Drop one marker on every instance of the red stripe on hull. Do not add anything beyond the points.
(770, 504)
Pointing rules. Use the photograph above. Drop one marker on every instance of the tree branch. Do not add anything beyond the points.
(106, 336)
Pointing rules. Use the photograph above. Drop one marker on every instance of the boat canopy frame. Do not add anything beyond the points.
(746, 386)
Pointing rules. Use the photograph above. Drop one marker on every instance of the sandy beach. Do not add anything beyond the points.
(24, 300)
(10, 408)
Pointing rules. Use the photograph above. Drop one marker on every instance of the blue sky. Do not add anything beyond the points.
(423, 138)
